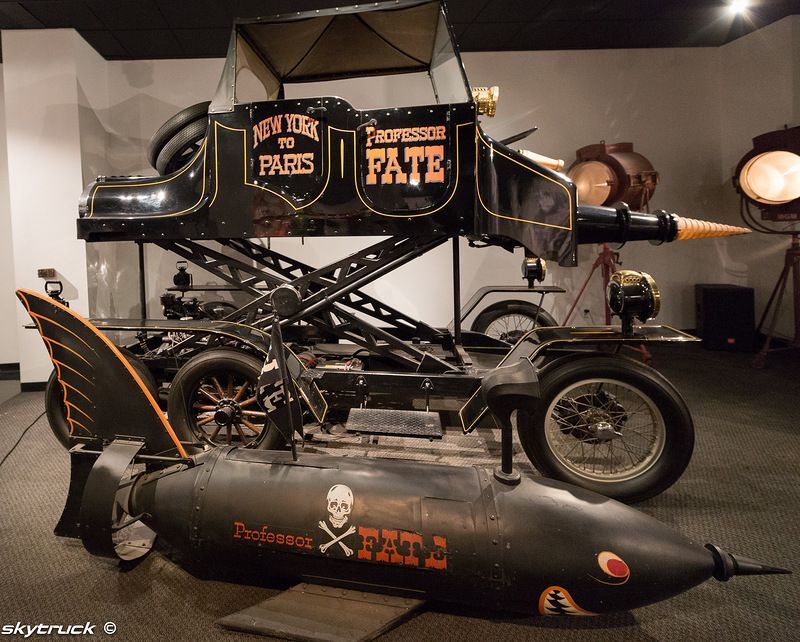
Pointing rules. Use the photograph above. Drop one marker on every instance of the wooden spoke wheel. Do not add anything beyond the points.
(214, 396)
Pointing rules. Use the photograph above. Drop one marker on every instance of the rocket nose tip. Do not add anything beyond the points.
(690, 228)
(727, 565)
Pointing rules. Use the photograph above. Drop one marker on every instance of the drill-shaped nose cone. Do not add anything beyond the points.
(691, 228)
(726, 565)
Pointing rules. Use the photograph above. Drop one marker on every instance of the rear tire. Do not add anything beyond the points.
(181, 148)
(510, 320)
(609, 424)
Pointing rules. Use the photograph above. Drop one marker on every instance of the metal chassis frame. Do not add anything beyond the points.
(326, 293)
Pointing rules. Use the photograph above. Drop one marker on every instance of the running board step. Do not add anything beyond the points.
(395, 423)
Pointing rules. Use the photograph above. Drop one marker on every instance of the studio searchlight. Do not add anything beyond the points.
(768, 176)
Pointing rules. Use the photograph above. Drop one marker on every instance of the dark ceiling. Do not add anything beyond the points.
(143, 29)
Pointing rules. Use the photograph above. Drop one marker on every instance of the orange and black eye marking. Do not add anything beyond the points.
(616, 570)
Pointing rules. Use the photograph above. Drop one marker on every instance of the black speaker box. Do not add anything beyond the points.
(725, 317)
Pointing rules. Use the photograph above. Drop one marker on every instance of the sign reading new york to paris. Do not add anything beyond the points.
(287, 150)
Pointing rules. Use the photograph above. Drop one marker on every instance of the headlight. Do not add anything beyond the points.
(533, 269)
(633, 295)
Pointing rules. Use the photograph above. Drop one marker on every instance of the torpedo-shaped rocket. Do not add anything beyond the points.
(430, 531)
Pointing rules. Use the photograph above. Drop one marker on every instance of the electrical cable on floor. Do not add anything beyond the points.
(24, 432)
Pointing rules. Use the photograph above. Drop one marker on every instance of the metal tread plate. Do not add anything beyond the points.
(395, 423)
(313, 612)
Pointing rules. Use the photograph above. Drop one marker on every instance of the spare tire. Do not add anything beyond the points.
(182, 147)
(169, 129)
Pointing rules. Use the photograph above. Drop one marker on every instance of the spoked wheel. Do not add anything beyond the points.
(214, 396)
(611, 425)
(510, 320)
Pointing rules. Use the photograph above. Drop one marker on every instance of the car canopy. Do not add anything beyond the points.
(380, 38)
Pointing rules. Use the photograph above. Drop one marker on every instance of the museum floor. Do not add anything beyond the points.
(741, 491)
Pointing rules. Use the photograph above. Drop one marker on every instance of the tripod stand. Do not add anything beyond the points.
(607, 262)
(791, 267)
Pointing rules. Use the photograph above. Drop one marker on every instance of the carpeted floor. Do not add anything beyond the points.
(741, 491)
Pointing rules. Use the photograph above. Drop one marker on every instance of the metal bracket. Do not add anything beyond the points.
(362, 392)
(81, 464)
(102, 510)
(427, 388)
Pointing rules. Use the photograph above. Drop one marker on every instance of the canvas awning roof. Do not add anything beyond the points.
(399, 36)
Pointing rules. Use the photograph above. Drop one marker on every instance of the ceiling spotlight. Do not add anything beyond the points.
(738, 6)
(605, 174)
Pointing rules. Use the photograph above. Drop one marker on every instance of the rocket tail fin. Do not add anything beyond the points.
(104, 398)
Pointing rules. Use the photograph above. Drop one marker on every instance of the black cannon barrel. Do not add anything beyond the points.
(619, 224)
(417, 529)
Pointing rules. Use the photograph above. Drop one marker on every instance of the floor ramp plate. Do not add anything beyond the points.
(395, 423)
(313, 612)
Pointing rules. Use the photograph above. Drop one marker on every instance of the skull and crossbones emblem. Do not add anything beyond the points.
(339, 506)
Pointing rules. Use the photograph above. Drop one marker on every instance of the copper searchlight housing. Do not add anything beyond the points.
(610, 173)
(768, 176)
(633, 295)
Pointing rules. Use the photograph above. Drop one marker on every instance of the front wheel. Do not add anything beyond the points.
(611, 425)
(213, 397)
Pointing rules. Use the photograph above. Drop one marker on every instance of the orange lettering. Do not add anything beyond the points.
(411, 544)
(393, 167)
(290, 163)
(435, 173)
(375, 158)
(369, 540)
(415, 155)
(438, 557)
(388, 553)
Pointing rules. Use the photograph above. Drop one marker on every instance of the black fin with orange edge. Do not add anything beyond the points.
(103, 396)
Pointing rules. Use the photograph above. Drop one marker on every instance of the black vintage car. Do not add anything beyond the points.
(260, 161)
